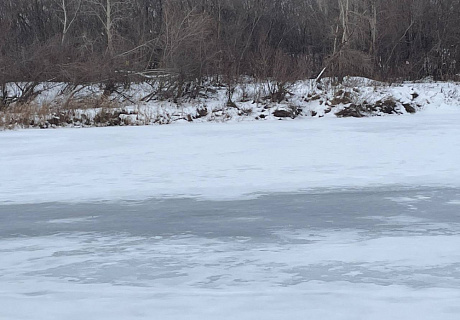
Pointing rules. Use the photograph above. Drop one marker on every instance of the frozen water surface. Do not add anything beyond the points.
(384, 245)
(374, 253)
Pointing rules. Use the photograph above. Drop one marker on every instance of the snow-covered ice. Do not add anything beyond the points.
(344, 255)
(299, 219)
(230, 160)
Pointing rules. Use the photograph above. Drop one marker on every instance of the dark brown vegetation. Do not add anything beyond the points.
(182, 43)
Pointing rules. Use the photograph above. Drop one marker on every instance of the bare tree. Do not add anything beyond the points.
(109, 13)
(68, 12)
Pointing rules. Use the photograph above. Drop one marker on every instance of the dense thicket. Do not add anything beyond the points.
(82, 41)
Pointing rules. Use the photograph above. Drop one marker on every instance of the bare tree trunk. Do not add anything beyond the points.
(64, 24)
(373, 27)
(68, 18)
(109, 12)
(344, 19)
(108, 27)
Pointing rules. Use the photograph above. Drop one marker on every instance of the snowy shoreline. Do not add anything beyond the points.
(54, 105)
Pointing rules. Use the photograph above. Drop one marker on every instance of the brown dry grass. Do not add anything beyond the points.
(58, 113)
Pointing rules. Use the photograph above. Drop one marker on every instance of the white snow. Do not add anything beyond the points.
(229, 160)
(327, 273)
(86, 276)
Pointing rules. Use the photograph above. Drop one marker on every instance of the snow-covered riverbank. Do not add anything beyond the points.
(51, 105)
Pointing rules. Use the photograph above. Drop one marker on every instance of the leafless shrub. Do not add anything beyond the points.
(349, 62)
(187, 48)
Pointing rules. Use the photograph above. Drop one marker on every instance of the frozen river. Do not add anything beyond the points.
(350, 254)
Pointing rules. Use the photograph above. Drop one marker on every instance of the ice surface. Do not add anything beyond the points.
(228, 161)
(315, 256)
(324, 219)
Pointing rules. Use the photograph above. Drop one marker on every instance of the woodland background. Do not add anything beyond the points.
(108, 41)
